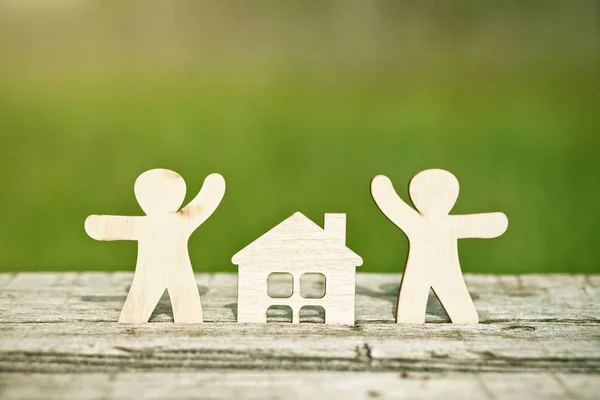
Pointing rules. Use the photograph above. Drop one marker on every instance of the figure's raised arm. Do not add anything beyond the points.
(113, 227)
(484, 226)
(207, 200)
(390, 204)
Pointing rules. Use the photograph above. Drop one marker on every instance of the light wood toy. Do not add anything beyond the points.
(298, 246)
(163, 261)
(433, 247)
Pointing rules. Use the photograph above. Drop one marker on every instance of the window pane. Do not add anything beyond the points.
(280, 285)
(279, 314)
(312, 314)
(312, 285)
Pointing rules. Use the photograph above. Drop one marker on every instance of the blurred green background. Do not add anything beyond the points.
(299, 104)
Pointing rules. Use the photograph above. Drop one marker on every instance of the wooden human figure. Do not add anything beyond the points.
(433, 247)
(162, 234)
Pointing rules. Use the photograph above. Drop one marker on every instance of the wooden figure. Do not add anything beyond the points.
(298, 246)
(433, 247)
(162, 234)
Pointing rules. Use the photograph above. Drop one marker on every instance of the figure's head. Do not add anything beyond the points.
(160, 191)
(433, 191)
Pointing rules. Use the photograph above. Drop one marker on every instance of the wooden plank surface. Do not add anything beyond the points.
(539, 337)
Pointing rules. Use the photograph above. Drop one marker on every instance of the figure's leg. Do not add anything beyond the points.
(412, 299)
(454, 296)
(185, 298)
(142, 299)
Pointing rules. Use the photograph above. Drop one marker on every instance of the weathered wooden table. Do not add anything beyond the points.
(539, 338)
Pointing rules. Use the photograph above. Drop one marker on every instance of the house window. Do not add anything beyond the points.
(312, 285)
(279, 314)
(280, 285)
(312, 314)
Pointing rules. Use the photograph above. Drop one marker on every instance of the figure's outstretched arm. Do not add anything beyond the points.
(484, 226)
(207, 200)
(390, 204)
(113, 227)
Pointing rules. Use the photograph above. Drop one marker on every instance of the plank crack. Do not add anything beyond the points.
(364, 353)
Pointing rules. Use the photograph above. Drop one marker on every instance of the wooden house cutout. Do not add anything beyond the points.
(298, 246)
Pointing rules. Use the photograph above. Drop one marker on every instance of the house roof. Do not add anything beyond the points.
(298, 240)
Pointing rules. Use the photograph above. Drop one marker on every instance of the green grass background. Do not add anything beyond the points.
(522, 139)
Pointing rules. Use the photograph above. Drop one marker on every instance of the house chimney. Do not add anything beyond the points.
(335, 227)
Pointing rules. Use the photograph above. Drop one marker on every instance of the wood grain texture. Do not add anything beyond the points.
(163, 261)
(539, 337)
(433, 249)
(297, 246)
(259, 385)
